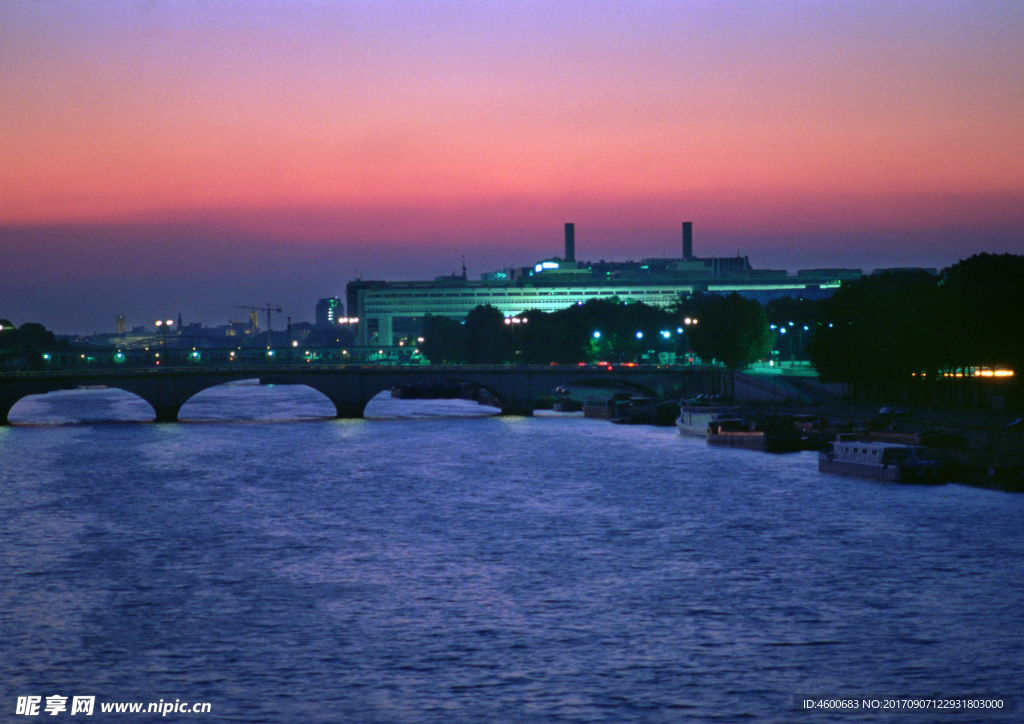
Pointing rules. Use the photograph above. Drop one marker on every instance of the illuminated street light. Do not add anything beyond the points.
(164, 327)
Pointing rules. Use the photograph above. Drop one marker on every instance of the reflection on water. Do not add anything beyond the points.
(241, 400)
(438, 563)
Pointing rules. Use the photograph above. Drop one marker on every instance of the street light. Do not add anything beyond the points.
(684, 333)
(164, 326)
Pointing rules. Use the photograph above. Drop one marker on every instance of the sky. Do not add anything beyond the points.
(165, 157)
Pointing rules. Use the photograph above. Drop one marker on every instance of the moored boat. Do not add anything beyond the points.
(603, 408)
(886, 461)
(642, 410)
(770, 434)
(564, 402)
(694, 419)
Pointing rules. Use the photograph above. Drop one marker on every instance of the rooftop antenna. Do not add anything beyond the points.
(463, 267)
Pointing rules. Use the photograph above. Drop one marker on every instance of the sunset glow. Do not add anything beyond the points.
(802, 134)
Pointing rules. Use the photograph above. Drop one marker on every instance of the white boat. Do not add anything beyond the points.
(694, 419)
(886, 461)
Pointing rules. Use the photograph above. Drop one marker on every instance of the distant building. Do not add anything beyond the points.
(390, 311)
(120, 326)
(329, 311)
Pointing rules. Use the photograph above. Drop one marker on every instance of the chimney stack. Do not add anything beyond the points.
(687, 240)
(570, 242)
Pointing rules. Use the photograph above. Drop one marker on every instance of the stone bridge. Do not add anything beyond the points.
(351, 387)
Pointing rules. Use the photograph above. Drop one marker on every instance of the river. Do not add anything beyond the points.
(435, 563)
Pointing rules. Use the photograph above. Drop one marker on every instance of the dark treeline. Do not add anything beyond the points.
(885, 329)
(25, 345)
(729, 329)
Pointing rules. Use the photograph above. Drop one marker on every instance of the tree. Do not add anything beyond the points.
(732, 330)
(27, 342)
(488, 338)
(444, 341)
(982, 319)
(879, 330)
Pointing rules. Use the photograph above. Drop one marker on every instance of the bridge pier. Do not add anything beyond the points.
(349, 409)
(518, 407)
(166, 413)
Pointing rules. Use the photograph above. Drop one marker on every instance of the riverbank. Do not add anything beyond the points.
(982, 447)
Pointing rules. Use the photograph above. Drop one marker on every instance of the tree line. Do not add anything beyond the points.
(731, 330)
(882, 329)
(25, 345)
(888, 328)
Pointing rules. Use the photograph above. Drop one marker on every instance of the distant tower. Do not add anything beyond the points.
(328, 311)
(254, 319)
(120, 324)
(570, 242)
(687, 240)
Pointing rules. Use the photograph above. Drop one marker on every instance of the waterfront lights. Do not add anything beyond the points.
(639, 335)
(597, 335)
(665, 333)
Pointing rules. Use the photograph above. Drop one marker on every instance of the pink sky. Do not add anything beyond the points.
(278, 149)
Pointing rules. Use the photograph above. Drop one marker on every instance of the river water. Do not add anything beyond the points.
(434, 563)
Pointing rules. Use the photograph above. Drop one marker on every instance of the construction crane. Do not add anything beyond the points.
(268, 308)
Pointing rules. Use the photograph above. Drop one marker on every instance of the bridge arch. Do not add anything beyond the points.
(251, 399)
(76, 405)
(352, 394)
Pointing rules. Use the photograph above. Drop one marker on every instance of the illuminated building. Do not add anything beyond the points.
(329, 311)
(389, 311)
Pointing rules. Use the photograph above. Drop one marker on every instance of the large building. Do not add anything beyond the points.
(391, 311)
